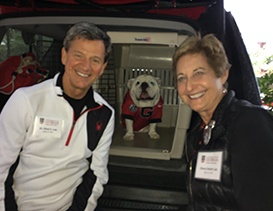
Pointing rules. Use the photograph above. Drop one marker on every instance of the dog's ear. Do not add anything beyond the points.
(130, 83)
(158, 80)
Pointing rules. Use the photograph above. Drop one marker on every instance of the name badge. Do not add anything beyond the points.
(47, 126)
(209, 165)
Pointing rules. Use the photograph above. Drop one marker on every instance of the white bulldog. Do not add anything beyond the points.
(142, 106)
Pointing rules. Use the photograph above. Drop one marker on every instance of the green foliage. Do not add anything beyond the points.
(262, 61)
(266, 89)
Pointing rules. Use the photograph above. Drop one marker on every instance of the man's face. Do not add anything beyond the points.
(84, 64)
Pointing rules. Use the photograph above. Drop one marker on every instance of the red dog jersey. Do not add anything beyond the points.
(141, 116)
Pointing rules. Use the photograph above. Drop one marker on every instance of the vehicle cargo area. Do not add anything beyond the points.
(144, 173)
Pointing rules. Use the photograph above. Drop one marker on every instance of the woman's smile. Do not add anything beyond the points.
(197, 95)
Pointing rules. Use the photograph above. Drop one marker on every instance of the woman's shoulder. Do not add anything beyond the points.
(246, 111)
(241, 106)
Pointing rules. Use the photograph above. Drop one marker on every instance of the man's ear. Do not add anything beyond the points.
(63, 58)
(130, 83)
(103, 68)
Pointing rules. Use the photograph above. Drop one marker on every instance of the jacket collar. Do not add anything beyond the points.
(223, 105)
(218, 114)
(58, 84)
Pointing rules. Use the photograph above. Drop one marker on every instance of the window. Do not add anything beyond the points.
(16, 43)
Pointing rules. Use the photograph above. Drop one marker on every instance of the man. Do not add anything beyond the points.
(59, 131)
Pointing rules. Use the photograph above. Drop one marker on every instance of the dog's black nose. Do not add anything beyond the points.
(144, 86)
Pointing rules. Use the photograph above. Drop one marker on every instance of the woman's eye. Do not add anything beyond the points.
(181, 79)
(198, 73)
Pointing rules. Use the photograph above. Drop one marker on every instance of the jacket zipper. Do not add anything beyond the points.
(190, 180)
(191, 164)
(70, 133)
(74, 122)
(190, 171)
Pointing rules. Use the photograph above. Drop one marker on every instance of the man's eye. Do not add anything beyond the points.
(95, 61)
(78, 56)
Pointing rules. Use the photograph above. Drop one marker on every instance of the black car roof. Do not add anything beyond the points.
(188, 8)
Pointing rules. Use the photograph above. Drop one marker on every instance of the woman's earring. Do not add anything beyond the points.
(224, 90)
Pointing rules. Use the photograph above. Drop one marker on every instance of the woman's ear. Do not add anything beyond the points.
(224, 77)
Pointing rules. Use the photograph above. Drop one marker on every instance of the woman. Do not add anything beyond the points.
(230, 143)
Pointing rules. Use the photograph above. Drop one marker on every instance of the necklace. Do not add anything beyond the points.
(207, 131)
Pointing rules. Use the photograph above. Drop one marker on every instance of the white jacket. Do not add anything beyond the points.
(37, 125)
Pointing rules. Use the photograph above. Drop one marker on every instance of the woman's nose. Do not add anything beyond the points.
(189, 85)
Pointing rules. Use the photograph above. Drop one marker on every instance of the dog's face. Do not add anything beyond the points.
(144, 90)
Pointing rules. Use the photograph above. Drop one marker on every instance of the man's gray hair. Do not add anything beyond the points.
(88, 31)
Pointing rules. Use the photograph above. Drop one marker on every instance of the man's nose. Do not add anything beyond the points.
(86, 64)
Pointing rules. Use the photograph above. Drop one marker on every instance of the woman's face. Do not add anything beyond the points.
(84, 64)
(198, 86)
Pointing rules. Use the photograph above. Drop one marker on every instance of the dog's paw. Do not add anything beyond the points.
(128, 137)
(154, 135)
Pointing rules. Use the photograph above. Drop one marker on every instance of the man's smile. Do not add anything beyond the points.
(82, 74)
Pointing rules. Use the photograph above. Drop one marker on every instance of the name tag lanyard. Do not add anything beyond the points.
(209, 163)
